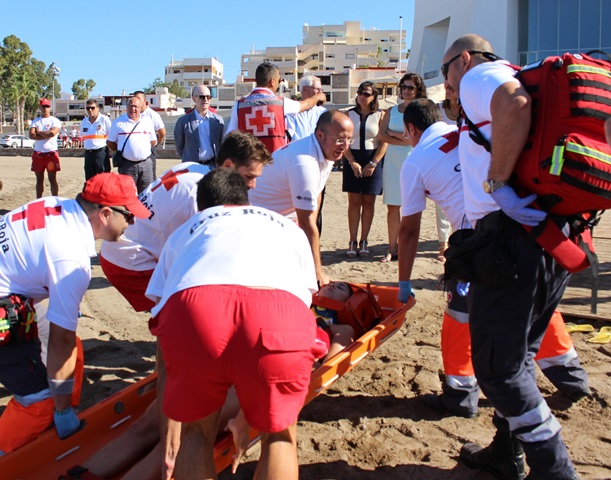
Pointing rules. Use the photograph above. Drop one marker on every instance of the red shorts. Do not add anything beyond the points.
(259, 340)
(42, 161)
(130, 283)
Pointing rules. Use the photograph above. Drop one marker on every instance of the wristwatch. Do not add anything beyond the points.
(373, 164)
(493, 185)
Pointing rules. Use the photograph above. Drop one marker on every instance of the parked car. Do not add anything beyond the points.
(16, 141)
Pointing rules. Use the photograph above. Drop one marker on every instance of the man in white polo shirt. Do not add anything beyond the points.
(129, 263)
(66, 231)
(94, 129)
(292, 184)
(132, 137)
(157, 121)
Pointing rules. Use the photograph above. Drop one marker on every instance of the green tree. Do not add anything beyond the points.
(158, 82)
(178, 90)
(82, 88)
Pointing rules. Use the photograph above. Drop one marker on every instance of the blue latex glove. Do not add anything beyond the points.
(66, 422)
(405, 290)
(515, 207)
(463, 288)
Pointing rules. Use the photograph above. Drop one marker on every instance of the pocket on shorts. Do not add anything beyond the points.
(286, 341)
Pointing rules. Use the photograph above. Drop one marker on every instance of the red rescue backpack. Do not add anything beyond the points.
(566, 160)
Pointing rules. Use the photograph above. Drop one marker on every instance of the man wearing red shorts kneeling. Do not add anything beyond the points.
(229, 312)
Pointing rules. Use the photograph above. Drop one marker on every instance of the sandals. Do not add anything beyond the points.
(603, 336)
(351, 252)
(442, 248)
(582, 327)
(363, 250)
(390, 256)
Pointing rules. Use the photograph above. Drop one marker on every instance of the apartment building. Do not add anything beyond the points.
(522, 31)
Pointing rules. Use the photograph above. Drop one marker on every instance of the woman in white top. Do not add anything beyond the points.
(411, 86)
(362, 170)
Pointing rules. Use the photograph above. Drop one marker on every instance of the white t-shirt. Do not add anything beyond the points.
(476, 90)
(172, 200)
(433, 170)
(96, 133)
(154, 117)
(237, 245)
(138, 147)
(291, 107)
(44, 125)
(294, 179)
(45, 248)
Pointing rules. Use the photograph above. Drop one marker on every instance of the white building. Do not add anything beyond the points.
(190, 72)
(521, 31)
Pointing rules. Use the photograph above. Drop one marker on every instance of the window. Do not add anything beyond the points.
(330, 55)
(350, 56)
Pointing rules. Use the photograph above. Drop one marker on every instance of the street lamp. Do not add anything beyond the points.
(54, 73)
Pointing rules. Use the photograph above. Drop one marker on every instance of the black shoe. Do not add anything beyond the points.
(437, 403)
(503, 465)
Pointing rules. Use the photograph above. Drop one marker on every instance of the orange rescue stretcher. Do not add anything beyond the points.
(373, 311)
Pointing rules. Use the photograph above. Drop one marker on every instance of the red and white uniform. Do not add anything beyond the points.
(433, 170)
(45, 124)
(45, 248)
(294, 179)
(138, 147)
(214, 248)
(476, 90)
(172, 200)
(95, 134)
(262, 113)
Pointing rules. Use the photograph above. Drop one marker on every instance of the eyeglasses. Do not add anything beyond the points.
(365, 94)
(316, 89)
(204, 97)
(344, 141)
(409, 88)
(45, 106)
(129, 216)
(90, 108)
(487, 55)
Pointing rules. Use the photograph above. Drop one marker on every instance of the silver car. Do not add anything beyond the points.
(16, 141)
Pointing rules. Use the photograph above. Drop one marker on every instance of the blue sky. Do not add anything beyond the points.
(125, 45)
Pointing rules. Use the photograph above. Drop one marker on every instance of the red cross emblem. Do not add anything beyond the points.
(169, 179)
(35, 214)
(260, 121)
(451, 143)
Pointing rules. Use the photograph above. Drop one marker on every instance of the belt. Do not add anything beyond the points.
(209, 161)
(94, 149)
(46, 153)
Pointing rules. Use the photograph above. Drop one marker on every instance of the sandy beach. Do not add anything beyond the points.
(371, 424)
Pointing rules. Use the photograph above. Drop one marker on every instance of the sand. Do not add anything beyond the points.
(372, 423)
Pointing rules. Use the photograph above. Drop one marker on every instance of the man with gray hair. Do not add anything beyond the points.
(198, 134)
(262, 113)
(304, 123)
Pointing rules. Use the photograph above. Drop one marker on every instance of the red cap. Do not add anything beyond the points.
(114, 190)
(45, 102)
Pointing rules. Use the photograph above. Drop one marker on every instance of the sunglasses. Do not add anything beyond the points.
(205, 97)
(365, 94)
(129, 216)
(90, 108)
(45, 106)
(409, 88)
(487, 55)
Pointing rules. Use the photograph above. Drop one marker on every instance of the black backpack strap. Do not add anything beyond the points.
(475, 134)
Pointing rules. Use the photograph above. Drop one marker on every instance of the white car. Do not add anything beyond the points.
(16, 141)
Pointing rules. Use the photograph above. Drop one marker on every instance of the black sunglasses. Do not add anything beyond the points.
(205, 97)
(365, 94)
(90, 108)
(407, 87)
(487, 55)
(129, 216)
